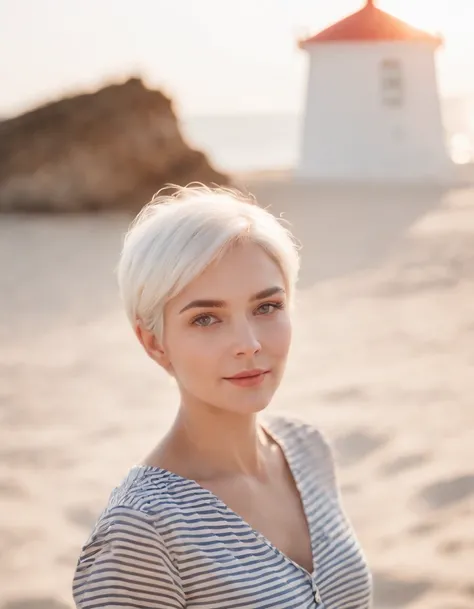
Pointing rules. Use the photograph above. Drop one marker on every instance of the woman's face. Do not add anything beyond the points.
(233, 319)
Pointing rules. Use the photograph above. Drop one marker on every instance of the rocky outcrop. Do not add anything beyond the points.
(109, 150)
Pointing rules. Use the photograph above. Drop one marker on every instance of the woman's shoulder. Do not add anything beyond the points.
(130, 536)
(298, 430)
(150, 497)
(305, 445)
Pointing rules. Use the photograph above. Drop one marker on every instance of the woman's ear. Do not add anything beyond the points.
(152, 345)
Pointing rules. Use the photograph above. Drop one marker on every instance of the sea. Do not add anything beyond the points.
(246, 142)
(241, 143)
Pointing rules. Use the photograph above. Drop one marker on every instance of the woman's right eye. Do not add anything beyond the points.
(204, 320)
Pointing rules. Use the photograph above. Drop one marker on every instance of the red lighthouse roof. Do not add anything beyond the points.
(370, 24)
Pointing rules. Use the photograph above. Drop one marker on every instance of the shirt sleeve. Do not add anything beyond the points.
(125, 564)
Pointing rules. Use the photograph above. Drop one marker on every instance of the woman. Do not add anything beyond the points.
(232, 509)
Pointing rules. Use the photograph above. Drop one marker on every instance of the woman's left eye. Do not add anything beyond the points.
(269, 307)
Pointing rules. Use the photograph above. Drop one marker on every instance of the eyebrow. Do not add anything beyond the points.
(220, 304)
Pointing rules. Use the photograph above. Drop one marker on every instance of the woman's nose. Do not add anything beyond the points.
(246, 341)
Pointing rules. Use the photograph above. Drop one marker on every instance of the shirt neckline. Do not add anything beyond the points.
(282, 443)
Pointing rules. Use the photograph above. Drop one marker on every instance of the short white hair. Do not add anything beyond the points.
(176, 236)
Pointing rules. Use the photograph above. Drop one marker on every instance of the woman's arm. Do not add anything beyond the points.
(125, 564)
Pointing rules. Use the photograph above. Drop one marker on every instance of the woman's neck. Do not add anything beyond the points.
(209, 443)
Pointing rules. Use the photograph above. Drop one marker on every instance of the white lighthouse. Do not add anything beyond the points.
(372, 108)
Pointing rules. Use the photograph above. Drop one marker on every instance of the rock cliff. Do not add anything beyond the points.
(103, 151)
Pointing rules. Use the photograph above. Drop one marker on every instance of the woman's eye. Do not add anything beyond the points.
(203, 320)
(269, 307)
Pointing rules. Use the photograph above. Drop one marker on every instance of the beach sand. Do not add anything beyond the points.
(382, 362)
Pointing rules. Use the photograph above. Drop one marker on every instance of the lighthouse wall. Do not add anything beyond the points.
(373, 113)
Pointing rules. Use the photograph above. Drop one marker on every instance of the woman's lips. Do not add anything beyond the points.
(251, 380)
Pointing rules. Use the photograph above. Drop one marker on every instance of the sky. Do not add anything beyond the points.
(211, 56)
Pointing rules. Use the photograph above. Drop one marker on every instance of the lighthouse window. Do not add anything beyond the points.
(391, 82)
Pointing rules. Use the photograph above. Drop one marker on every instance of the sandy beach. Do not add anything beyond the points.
(382, 362)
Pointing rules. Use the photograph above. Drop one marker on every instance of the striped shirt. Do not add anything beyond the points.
(166, 542)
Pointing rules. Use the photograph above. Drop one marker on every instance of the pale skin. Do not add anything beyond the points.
(215, 438)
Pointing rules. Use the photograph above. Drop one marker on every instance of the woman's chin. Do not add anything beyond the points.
(247, 406)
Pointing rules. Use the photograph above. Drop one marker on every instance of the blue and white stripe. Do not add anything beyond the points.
(166, 542)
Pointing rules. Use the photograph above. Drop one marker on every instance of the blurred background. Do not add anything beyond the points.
(101, 103)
